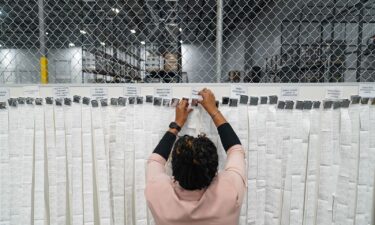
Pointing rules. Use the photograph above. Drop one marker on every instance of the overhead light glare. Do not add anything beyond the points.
(47, 33)
(83, 32)
(143, 43)
(102, 43)
(180, 29)
(71, 44)
(115, 10)
(181, 41)
(133, 31)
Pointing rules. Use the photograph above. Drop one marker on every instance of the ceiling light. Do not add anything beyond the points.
(180, 29)
(102, 43)
(143, 43)
(71, 44)
(115, 10)
(181, 41)
(47, 33)
(1, 12)
(133, 31)
(83, 32)
(1, 45)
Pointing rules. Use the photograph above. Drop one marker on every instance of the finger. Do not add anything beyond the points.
(184, 103)
(190, 110)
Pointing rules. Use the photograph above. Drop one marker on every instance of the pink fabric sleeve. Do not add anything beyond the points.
(235, 169)
(155, 167)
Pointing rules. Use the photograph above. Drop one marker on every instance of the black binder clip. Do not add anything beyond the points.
(254, 100)
(94, 103)
(281, 105)
(76, 99)
(307, 105)
(316, 104)
(121, 101)
(21, 100)
(104, 102)
(86, 100)
(327, 104)
(273, 99)
(244, 99)
(157, 101)
(175, 102)
(355, 99)
(114, 101)
(289, 105)
(263, 100)
(345, 103)
(3, 105)
(29, 101)
(67, 101)
(364, 101)
(139, 100)
(49, 100)
(299, 105)
(38, 101)
(131, 100)
(337, 104)
(225, 101)
(233, 102)
(194, 102)
(58, 101)
(149, 98)
(166, 102)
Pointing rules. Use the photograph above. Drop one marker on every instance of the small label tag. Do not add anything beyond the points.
(131, 91)
(31, 91)
(289, 93)
(98, 93)
(237, 90)
(4, 94)
(334, 93)
(163, 92)
(367, 90)
(61, 92)
(194, 93)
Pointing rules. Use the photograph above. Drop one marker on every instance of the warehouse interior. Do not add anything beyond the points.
(94, 41)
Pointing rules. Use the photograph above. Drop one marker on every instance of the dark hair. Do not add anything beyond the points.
(194, 162)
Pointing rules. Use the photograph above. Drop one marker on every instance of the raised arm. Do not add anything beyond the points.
(157, 160)
(235, 166)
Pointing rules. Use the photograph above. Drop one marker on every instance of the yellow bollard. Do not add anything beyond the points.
(44, 70)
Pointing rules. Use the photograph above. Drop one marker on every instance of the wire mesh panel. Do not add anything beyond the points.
(97, 41)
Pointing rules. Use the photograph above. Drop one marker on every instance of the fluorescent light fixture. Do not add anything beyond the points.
(71, 44)
(133, 31)
(172, 24)
(143, 43)
(115, 10)
(83, 32)
(47, 33)
(181, 41)
(180, 29)
(102, 43)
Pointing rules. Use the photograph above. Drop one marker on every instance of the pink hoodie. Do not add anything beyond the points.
(219, 204)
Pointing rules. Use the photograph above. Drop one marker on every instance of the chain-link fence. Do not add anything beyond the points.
(92, 41)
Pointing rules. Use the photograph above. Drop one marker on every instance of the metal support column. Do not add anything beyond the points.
(219, 39)
(42, 42)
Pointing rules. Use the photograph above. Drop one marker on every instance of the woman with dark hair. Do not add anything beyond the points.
(196, 194)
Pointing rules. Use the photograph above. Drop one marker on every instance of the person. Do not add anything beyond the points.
(196, 194)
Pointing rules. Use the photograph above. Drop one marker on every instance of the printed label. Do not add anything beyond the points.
(334, 93)
(163, 92)
(4, 94)
(130, 91)
(289, 93)
(367, 90)
(237, 91)
(61, 92)
(31, 91)
(98, 93)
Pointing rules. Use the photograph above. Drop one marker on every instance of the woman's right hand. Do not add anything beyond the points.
(208, 101)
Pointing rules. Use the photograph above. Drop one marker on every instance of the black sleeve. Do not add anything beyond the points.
(165, 145)
(228, 136)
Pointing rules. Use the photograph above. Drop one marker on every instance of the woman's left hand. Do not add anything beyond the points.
(182, 112)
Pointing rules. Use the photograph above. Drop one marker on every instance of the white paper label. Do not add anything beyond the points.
(367, 90)
(31, 91)
(130, 91)
(4, 94)
(237, 90)
(194, 93)
(289, 92)
(334, 93)
(98, 93)
(61, 92)
(163, 92)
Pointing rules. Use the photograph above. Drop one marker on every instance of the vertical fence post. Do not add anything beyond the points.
(42, 41)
